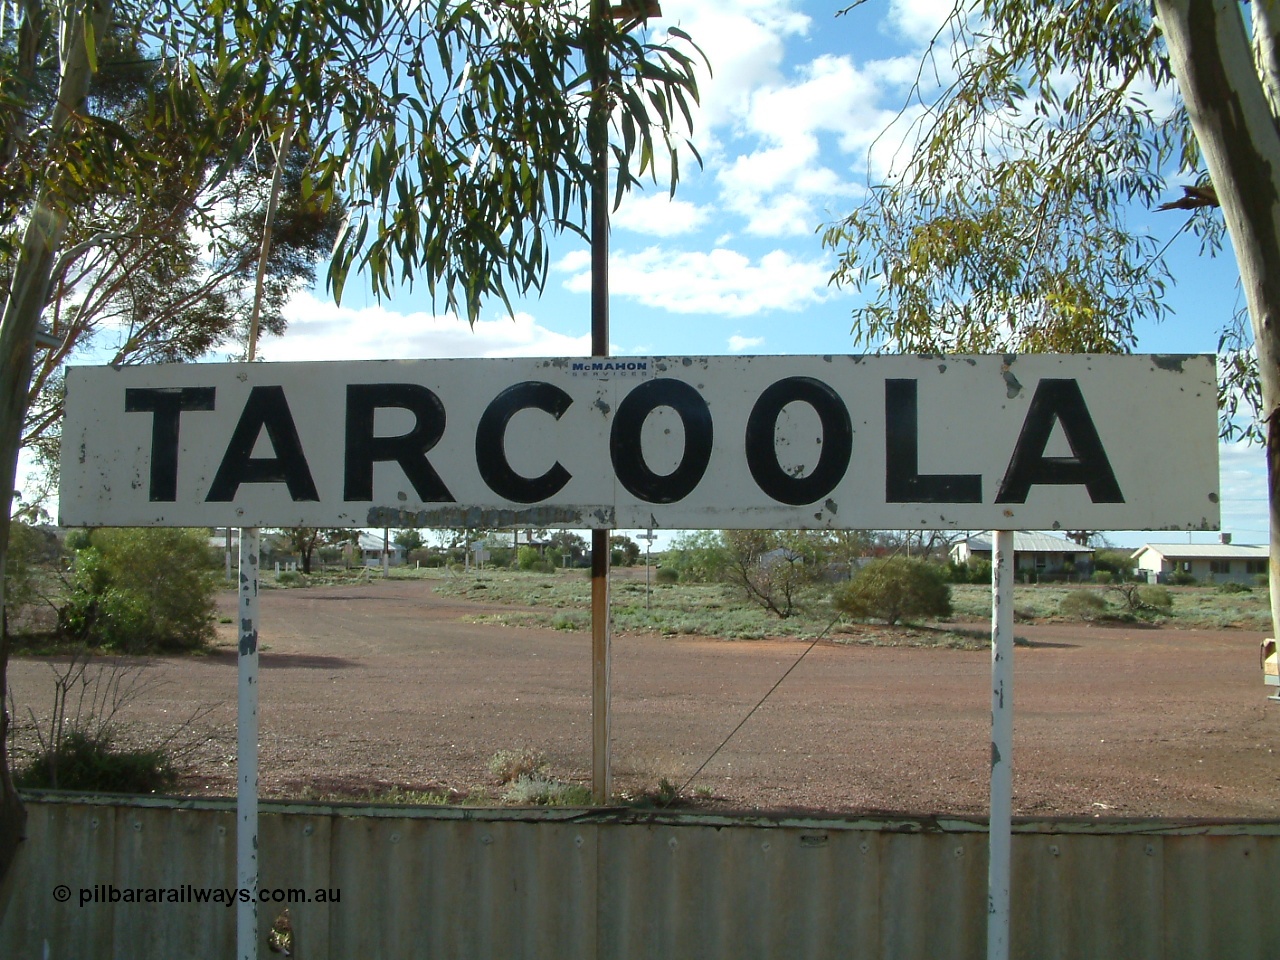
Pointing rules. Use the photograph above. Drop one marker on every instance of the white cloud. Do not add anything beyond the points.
(722, 282)
(766, 128)
(1242, 470)
(324, 331)
(919, 20)
(744, 42)
(659, 215)
(781, 186)
(737, 343)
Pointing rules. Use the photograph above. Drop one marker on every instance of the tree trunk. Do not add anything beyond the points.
(28, 296)
(1226, 93)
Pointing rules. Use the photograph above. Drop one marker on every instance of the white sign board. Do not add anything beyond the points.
(838, 442)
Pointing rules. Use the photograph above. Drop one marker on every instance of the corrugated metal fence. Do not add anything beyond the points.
(614, 885)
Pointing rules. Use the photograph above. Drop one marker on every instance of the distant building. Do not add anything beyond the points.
(1207, 562)
(1040, 552)
(371, 551)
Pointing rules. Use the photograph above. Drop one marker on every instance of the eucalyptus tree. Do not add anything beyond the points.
(1006, 219)
(453, 129)
(166, 273)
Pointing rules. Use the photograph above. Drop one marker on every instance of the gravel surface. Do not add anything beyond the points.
(366, 688)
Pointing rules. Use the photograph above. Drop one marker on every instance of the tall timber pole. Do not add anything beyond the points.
(631, 13)
(598, 145)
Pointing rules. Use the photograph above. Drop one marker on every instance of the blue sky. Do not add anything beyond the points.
(735, 263)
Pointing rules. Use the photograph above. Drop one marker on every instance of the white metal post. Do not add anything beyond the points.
(1001, 821)
(247, 750)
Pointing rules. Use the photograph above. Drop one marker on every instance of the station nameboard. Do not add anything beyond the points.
(1026, 442)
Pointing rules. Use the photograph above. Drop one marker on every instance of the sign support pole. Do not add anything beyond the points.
(601, 653)
(1001, 819)
(247, 749)
(247, 702)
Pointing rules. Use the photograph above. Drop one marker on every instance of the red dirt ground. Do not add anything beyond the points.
(368, 687)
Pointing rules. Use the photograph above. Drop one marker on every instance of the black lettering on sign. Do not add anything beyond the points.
(903, 481)
(491, 434)
(626, 451)
(167, 404)
(762, 452)
(266, 407)
(409, 450)
(1059, 401)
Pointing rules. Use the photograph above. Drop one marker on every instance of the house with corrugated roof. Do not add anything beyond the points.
(367, 551)
(1206, 562)
(1043, 553)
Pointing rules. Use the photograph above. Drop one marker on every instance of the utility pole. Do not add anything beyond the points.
(631, 14)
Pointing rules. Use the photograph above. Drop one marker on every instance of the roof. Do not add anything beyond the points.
(1024, 542)
(373, 542)
(1205, 551)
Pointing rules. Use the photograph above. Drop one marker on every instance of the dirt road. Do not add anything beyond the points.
(366, 687)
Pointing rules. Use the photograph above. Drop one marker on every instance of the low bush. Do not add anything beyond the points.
(97, 765)
(1118, 563)
(1103, 577)
(139, 590)
(77, 744)
(667, 575)
(1234, 586)
(1155, 598)
(894, 589)
(511, 765)
(974, 571)
(1083, 605)
(541, 792)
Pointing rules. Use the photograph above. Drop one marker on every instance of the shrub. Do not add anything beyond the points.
(1234, 586)
(894, 589)
(698, 557)
(76, 744)
(774, 568)
(82, 762)
(511, 765)
(1083, 605)
(1155, 598)
(526, 557)
(142, 589)
(1140, 598)
(667, 575)
(1118, 563)
(1103, 577)
(29, 549)
(973, 571)
(1182, 579)
(542, 792)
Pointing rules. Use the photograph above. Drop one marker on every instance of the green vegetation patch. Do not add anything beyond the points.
(1189, 608)
(563, 602)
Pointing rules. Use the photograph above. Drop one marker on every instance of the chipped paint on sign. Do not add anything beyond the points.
(822, 442)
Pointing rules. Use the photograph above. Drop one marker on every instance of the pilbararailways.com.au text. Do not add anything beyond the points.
(107, 893)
